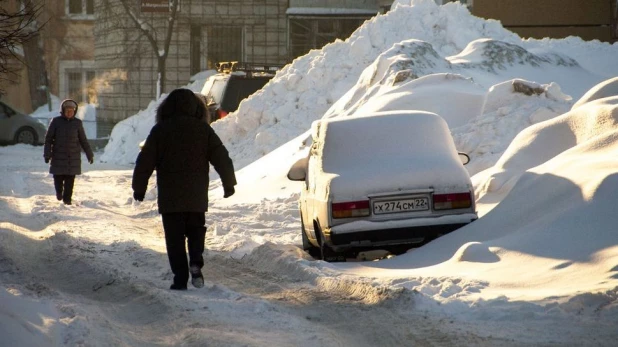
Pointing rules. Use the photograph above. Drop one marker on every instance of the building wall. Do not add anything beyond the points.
(67, 40)
(358, 4)
(68, 44)
(127, 65)
(601, 33)
(17, 93)
(262, 21)
(590, 19)
(15, 89)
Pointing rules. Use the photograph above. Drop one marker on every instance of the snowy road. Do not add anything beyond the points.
(96, 274)
(99, 305)
(102, 267)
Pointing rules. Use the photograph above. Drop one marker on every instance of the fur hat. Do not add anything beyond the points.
(181, 102)
(68, 103)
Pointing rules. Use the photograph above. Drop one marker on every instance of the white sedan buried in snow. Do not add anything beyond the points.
(389, 180)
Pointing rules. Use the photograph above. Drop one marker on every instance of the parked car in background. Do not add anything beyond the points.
(234, 82)
(388, 180)
(16, 127)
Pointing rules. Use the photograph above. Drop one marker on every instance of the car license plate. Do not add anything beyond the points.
(405, 205)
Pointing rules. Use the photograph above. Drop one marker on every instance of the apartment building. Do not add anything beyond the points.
(588, 19)
(206, 32)
(93, 52)
(60, 60)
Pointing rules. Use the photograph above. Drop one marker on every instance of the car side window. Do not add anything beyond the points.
(3, 112)
(307, 171)
(310, 171)
(311, 166)
(216, 92)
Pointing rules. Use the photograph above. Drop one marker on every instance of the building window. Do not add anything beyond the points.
(313, 33)
(80, 7)
(224, 44)
(196, 49)
(74, 85)
(91, 90)
(77, 81)
(80, 86)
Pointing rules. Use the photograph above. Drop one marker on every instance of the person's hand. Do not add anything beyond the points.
(46, 160)
(138, 196)
(91, 160)
(228, 191)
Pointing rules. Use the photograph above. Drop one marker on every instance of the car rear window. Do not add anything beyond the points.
(239, 89)
(216, 91)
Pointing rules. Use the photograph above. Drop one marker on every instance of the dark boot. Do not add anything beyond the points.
(58, 184)
(175, 286)
(196, 234)
(69, 182)
(173, 226)
(197, 279)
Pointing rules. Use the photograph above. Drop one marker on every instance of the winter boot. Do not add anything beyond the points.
(176, 286)
(197, 279)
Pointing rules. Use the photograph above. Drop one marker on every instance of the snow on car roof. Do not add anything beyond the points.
(408, 149)
(392, 134)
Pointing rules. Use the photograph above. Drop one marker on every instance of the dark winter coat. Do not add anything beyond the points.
(180, 146)
(64, 141)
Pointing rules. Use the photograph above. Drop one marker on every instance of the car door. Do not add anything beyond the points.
(310, 186)
(6, 128)
(302, 200)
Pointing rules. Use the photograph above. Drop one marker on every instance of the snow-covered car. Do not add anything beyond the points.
(388, 180)
(16, 127)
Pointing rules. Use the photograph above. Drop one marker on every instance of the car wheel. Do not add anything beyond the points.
(26, 136)
(306, 244)
(327, 253)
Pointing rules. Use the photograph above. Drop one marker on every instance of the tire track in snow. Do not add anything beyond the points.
(343, 318)
(124, 313)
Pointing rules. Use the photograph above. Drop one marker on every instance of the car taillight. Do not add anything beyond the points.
(452, 201)
(350, 209)
(221, 114)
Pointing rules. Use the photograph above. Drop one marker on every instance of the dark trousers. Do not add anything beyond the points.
(64, 187)
(179, 226)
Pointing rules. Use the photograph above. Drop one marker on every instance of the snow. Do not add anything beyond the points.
(602, 90)
(539, 119)
(402, 151)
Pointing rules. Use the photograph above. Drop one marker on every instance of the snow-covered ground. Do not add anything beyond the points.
(539, 119)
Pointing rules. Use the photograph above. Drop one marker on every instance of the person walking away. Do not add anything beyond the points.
(180, 146)
(64, 140)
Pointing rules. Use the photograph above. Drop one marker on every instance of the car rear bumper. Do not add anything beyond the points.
(386, 234)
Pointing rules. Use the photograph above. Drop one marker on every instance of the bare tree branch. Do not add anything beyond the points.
(16, 28)
(151, 35)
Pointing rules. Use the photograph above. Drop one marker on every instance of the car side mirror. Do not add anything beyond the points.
(465, 159)
(298, 171)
